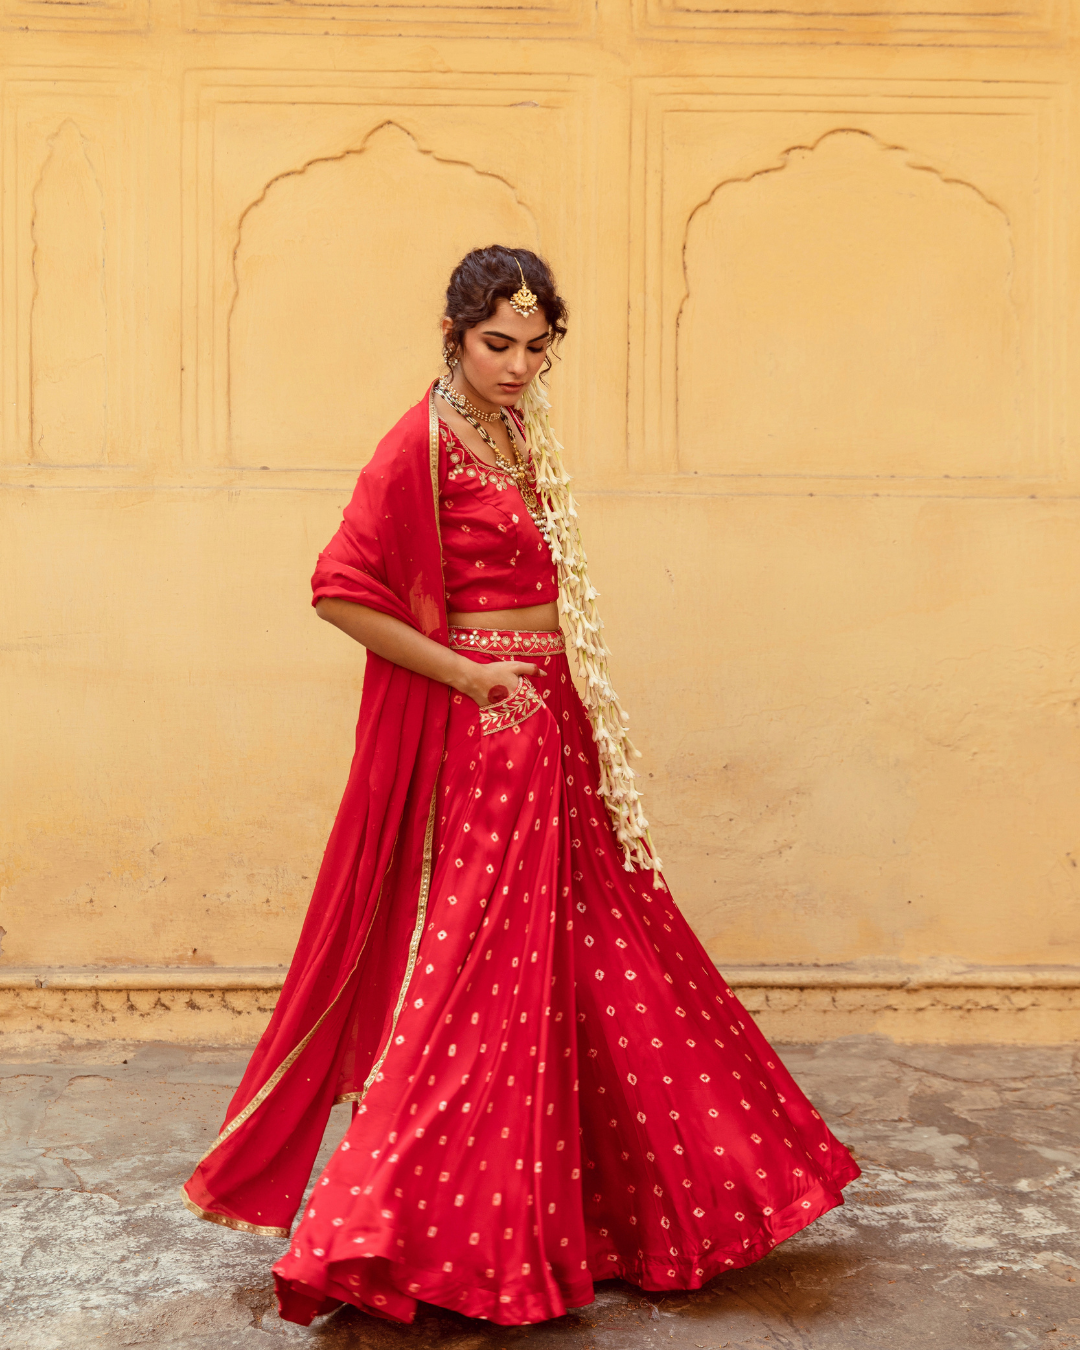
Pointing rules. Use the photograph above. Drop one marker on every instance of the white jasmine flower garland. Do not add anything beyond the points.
(577, 605)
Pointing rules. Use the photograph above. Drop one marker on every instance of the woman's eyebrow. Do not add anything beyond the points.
(490, 332)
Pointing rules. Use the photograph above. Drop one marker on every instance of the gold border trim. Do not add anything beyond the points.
(508, 641)
(414, 942)
(242, 1117)
(290, 1059)
(512, 711)
(239, 1224)
(429, 833)
(433, 459)
(414, 948)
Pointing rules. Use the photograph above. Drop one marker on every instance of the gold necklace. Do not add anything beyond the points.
(516, 471)
(461, 404)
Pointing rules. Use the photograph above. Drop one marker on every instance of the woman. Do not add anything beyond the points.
(551, 1083)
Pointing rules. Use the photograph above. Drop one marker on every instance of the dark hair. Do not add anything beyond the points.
(487, 275)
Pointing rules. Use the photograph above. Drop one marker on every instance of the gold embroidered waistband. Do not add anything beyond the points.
(507, 642)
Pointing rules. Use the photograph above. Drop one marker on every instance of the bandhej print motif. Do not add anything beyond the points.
(573, 1093)
(553, 1084)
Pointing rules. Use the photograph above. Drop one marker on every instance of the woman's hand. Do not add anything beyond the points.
(489, 684)
(396, 641)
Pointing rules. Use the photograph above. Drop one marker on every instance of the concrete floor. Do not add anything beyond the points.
(961, 1234)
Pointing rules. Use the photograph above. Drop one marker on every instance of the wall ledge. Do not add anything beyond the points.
(142, 977)
(941, 1002)
(887, 975)
(856, 975)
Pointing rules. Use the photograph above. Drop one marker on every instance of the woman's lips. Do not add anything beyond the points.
(511, 388)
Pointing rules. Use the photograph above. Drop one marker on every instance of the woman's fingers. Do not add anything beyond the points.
(506, 676)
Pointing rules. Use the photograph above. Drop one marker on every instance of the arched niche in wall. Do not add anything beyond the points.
(340, 273)
(69, 385)
(848, 312)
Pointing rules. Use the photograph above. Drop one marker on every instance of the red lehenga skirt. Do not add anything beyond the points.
(571, 1092)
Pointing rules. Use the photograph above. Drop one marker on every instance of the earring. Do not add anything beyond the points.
(448, 356)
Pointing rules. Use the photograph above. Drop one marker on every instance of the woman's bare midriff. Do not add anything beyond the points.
(529, 619)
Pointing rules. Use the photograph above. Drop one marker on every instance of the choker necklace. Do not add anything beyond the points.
(516, 470)
(461, 404)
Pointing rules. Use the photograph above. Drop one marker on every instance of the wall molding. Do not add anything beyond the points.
(855, 975)
(937, 23)
(693, 136)
(142, 977)
(936, 1003)
(859, 975)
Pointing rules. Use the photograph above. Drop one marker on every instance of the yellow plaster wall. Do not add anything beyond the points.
(818, 395)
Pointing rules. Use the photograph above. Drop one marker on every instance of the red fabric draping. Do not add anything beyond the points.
(572, 1092)
(349, 962)
(617, 1112)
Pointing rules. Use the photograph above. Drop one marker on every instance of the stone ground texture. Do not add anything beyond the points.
(962, 1232)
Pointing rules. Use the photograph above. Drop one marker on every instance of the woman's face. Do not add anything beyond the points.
(502, 354)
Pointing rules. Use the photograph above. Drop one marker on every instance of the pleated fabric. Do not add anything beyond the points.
(571, 1092)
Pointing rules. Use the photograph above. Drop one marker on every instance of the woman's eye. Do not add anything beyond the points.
(492, 348)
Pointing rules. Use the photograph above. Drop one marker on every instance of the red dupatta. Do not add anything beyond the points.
(339, 1005)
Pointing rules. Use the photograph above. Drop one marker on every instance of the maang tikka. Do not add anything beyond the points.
(523, 300)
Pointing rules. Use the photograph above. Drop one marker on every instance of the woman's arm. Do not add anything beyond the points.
(396, 641)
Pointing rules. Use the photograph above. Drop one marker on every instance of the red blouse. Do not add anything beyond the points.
(494, 557)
